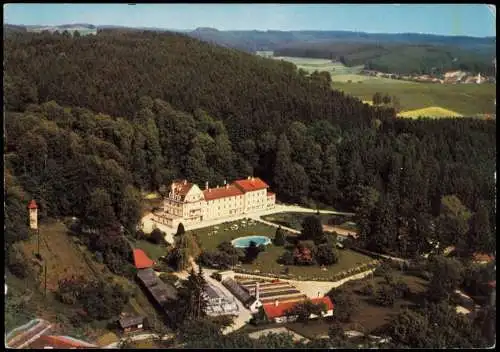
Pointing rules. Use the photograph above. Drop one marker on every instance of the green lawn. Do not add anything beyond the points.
(153, 251)
(266, 262)
(224, 233)
(464, 99)
(294, 219)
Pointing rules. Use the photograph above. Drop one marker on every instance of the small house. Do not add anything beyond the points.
(277, 312)
(131, 323)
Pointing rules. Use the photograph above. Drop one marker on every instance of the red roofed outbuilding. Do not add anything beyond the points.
(141, 260)
(32, 205)
(277, 311)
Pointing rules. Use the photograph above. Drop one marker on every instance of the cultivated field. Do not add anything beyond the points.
(338, 71)
(266, 262)
(462, 99)
(433, 111)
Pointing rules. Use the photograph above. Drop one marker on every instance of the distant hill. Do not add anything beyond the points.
(404, 53)
(398, 53)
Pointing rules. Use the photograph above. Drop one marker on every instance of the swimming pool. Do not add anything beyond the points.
(244, 242)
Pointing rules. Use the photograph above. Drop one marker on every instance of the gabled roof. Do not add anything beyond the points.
(141, 260)
(181, 187)
(221, 192)
(272, 311)
(252, 184)
(32, 205)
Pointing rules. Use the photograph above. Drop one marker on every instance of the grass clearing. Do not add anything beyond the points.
(153, 251)
(294, 219)
(63, 254)
(266, 262)
(65, 257)
(463, 99)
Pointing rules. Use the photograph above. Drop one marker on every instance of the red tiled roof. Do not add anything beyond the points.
(269, 194)
(221, 192)
(59, 342)
(181, 187)
(482, 257)
(32, 205)
(272, 311)
(253, 184)
(141, 260)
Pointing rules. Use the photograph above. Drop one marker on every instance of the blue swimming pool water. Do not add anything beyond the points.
(244, 242)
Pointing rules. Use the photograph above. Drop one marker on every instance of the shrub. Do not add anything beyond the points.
(157, 236)
(139, 235)
(383, 269)
(286, 258)
(168, 278)
(326, 255)
(279, 238)
(367, 290)
(385, 296)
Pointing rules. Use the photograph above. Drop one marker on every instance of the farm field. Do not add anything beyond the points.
(463, 99)
(433, 111)
(338, 71)
(266, 262)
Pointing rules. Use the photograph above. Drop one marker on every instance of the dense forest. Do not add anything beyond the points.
(92, 121)
(106, 116)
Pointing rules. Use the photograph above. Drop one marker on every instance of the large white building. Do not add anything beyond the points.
(186, 203)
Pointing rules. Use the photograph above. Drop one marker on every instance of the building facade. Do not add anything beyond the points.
(188, 204)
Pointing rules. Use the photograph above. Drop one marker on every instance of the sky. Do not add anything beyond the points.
(450, 19)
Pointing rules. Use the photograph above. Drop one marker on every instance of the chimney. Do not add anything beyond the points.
(227, 186)
(206, 185)
(257, 291)
(185, 182)
(225, 182)
(249, 177)
(253, 178)
(276, 302)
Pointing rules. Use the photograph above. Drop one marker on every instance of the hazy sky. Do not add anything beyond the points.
(472, 20)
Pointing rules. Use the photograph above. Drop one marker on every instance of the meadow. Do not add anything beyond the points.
(460, 99)
(435, 100)
(66, 256)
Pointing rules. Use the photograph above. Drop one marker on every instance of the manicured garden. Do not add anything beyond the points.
(267, 261)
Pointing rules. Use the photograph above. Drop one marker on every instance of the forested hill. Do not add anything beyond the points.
(110, 72)
(394, 53)
(91, 120)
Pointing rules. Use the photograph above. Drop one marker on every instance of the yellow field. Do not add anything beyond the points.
(432, 111)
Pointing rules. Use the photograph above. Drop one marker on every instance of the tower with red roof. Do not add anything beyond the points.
(33, 215)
